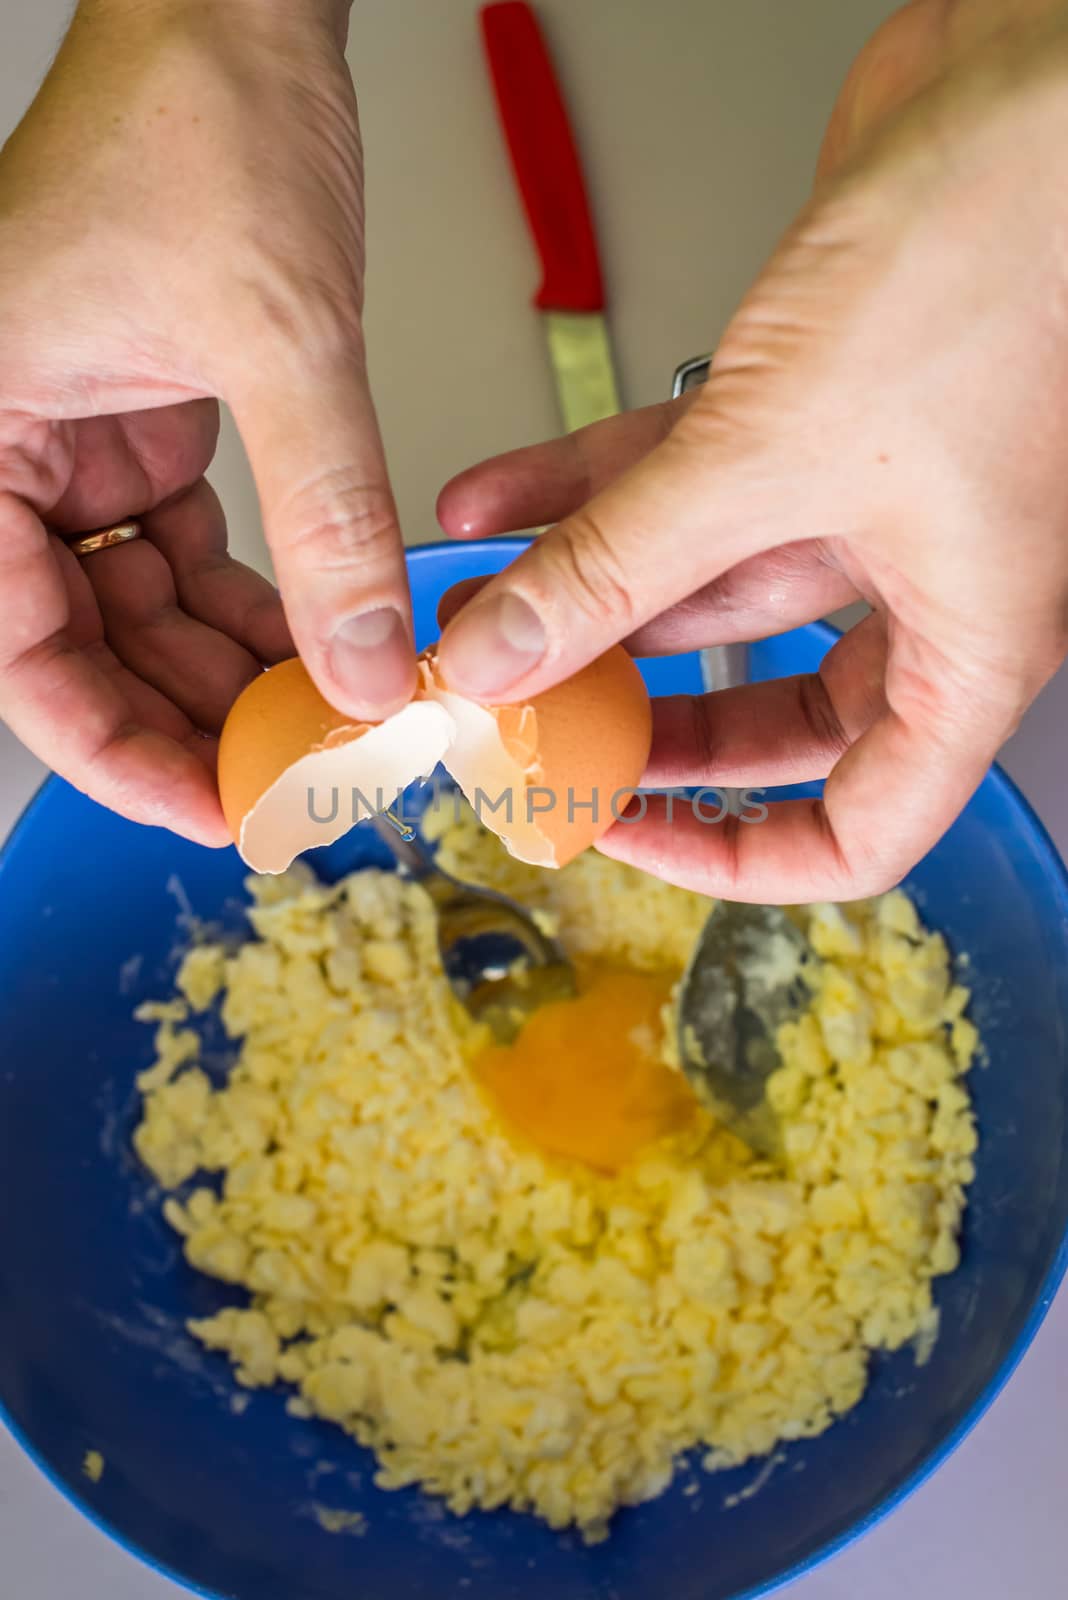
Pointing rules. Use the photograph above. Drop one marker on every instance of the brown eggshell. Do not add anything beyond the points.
(588, 738)
(276, 720)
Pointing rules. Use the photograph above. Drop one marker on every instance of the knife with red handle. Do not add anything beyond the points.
(548, 173)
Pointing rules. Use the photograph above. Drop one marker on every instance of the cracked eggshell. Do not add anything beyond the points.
(549, 776)
(285, 754)
(568, 760)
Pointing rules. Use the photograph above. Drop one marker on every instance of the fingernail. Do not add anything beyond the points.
(371, 658)
(491, 645)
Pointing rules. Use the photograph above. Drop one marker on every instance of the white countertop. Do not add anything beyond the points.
(699, 121)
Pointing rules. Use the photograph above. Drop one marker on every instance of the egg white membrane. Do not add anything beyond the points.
(493, 782)
(298, 812)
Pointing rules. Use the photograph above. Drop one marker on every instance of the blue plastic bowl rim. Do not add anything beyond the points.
(895, 1497)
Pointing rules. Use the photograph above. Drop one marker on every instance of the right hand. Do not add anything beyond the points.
(885, 417)
(181, 220)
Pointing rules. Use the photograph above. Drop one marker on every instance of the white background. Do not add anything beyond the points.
(699, 121)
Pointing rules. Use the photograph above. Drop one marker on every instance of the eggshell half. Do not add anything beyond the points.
(549, 776)
(296, 774)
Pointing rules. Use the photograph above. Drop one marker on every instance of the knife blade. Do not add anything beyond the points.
(548, 172)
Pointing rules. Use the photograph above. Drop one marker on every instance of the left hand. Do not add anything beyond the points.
(181, 221)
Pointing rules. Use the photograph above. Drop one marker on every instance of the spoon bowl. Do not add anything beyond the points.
(500, 964)
(746, 977)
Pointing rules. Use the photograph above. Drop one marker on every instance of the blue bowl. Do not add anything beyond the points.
(94, 1292)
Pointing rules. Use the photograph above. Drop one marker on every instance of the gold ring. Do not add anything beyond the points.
(87, 544)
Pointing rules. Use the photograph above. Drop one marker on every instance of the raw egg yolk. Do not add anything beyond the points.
(584, 1079)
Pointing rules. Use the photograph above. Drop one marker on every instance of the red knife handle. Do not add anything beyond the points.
(544, 158)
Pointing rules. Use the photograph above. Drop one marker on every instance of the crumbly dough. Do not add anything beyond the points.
(507, 1330)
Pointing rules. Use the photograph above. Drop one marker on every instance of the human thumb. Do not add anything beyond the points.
(693, 508)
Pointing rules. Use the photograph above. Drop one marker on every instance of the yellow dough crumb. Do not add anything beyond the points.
(332, 1521)
(501, 1325)
(93, 1466)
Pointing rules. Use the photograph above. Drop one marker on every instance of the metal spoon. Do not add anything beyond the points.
(500, 964)
(746, 974)
(745, 978)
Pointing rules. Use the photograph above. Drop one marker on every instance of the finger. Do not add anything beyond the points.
(545, 482)
(72, 713)
(85, 633)
(696, 843)
(763, 596)
(790, 730)
(123, 466)
(224, 594)
(697, 506)
(454, 599)
(312, 437)
(199, 669)
(887, 801)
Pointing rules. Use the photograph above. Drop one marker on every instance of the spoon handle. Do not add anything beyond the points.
(410, 853)
(723, 666)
